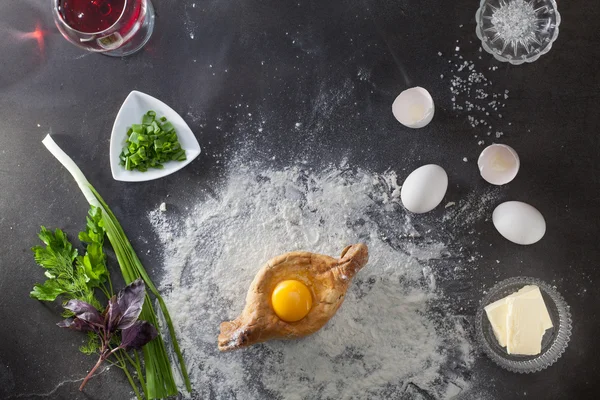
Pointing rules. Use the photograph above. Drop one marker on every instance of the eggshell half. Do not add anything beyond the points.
(498, 164)
(519, 222)
(414, 107)
(424, 188)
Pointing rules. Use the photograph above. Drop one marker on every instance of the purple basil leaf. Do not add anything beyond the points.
(85, 311)
(76, 324)
(78, 306)
(130, 301)
(113, 314)
(137, 335)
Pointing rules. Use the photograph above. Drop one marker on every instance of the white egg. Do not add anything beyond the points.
(414, 107)
(519, 222)
(424, 188)
(498, 164)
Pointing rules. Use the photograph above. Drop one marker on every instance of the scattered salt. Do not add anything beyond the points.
(472, 93)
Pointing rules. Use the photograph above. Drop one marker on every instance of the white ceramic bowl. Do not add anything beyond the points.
(134, 107)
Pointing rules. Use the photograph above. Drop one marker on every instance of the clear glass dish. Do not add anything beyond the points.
(517, 31)
(554, 342)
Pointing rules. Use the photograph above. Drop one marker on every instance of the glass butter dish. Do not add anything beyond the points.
(555, 339)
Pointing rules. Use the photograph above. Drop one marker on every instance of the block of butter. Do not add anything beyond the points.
(520, 320)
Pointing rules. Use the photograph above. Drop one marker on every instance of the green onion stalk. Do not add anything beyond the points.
(159, 382)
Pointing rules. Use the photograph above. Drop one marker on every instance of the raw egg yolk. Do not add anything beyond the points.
(291, 300)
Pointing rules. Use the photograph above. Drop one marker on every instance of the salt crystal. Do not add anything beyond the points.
(514, 21)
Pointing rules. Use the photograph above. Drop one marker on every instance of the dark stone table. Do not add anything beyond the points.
(279, 58)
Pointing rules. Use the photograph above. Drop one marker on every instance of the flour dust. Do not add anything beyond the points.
(385, 341)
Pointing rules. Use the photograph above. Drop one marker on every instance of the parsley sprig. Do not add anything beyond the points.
(69, 274)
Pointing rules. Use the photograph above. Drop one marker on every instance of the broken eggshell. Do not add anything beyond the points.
(498, 164)
(414, 107)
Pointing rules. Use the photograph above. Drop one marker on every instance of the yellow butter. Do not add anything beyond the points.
(520, 320)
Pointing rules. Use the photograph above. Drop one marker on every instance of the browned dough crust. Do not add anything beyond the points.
(326, 277)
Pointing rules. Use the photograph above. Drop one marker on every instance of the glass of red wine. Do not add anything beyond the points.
(112, 27)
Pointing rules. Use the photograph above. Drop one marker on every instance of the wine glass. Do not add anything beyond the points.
(112, 27)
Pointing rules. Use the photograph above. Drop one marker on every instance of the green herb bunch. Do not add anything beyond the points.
(69, 274)
(158, 382)
(75, 278)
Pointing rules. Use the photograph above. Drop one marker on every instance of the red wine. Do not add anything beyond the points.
(91, 16)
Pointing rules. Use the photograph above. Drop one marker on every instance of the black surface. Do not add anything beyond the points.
(277, 61)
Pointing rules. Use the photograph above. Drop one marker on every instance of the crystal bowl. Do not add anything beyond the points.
(517, 31)
(554, 342)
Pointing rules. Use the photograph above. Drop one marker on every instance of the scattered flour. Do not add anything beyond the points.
(473, 207)
(385, 341)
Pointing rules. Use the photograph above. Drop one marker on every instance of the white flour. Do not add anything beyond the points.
(383, 341)
(473, 207)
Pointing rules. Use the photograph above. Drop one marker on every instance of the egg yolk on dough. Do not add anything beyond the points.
(291, 300)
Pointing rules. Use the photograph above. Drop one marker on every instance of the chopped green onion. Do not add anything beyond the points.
(150, 144)
(147, 119)
(168, 127)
